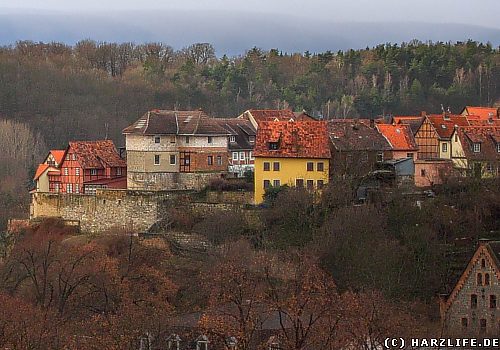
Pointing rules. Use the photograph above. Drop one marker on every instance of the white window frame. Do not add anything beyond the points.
(251, 139)
(232, 138)
(276, 183)
(444, 147)
(156, 156)
(93, 172)
(235, 155)
(242, 155)
(476, 147)
(498, 147)
(66, 171)
(250, 155)
(175, 159)
(219, 160)
(77, 171)
(118, 171)
(69, 188)
(77, 188)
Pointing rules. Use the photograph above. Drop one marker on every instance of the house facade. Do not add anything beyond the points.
(241, 144)
(293, 153)
(473, 308)
(175, 150)
(82, 168)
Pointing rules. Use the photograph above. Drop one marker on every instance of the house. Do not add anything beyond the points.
(444, 125)
(472, 308)
(484, 113)
(413, 121)
(401, 140)
(256, 116)
(175, 150)
(356, 147)
(293, 153)
(82, 168)
(476, 150)
(241, 144)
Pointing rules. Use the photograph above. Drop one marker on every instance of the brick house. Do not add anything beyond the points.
(472, 308)
(175, 150)
(241, 144)
(356, 147)
(82, 168)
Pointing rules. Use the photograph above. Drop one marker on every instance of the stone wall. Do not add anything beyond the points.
(168, 181)
(236, 197)
(124, 209)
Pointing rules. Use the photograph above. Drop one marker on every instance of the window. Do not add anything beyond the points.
(250, 155)
(409, 155)
(380, 157)
(276, 166)
(187, 139)
(444, 147)
(232, 139)
(273, 146)
(210, 160)
(210, 139)
(476, 148)
(422, 172)
(235, 155)
(251, 139)
(93, 172)
(493, 301)
(118, 171)
(473, 301)
(498, 147)
(299, 183)
(456, 138)
(479, 280)
(157, 139)
(267, 184)
(187, 159)
(310, 184)
(56, 187)
(66, 172)
(219, 160)
(172, 139)
(465, 322)
(77, 188)
(77, 171)
(173, 159)
(242, 155)
(489, 167)
(483, 263)
(310, 166)
(486, 279)
(68, 156)
(482, 325)
(320, 166)
(157, 159)
(69, 188)
(320, 184)
(276, 183)
(74, 156)
(267, 166)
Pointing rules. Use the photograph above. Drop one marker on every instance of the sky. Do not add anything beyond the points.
(477, 12)
(234, 26)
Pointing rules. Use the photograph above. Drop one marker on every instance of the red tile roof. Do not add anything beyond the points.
(488, 137)
(445, 125)
(300, 139)
(400, 136)
(478, 121)
(269, 115)
(40, 170)
(482, 112)
(96, 154)
(58, 155)
(413, 121)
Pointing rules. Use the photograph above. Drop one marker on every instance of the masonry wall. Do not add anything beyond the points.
(108, 209)
(168, 181)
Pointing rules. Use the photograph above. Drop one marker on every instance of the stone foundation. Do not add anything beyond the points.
(169, 181)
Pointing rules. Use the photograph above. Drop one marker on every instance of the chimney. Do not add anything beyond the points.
(372, 123)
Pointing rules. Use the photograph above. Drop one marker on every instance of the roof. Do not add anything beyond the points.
(58, 155)
(476, 120)
(488, 137)
(40, 170)
(446, 123)
(413, 121)
(351, 135)
(241, 129)
(300, 139)
(163, 122)
(481, 112)
(269, 115)
(399, 136)
(96, 154)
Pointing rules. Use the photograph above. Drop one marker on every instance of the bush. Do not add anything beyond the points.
(225, 185)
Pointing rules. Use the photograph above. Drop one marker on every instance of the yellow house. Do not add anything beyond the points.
(293, 153)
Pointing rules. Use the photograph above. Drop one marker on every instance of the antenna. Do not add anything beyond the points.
(442, 108)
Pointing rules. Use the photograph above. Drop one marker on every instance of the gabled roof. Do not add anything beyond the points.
(478, 121)
(413, 121)
(352, 135)
(96, 154)
(163, 122)
(399, 136)
(58, 155)
(481, 112)
(444, 124)
(491, 250)
(487, 137)
(241, 129)
(301, 139)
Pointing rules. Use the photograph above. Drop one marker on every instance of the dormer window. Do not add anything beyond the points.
(476, 147)
(273, 145)
(157, 139)
(232, 139)
(252, 139)
(209, 139)
(498, 147)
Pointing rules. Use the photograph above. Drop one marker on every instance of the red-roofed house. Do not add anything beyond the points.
(82, 168)
(401, 140)
(484, 113)
(293, 153)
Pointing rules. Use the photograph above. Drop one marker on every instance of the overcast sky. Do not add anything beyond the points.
(477, 12)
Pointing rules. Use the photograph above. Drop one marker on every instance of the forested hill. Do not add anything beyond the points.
(93, 89)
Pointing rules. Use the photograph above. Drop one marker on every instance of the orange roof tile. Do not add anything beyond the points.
(482, 112)
(58, 155)
(301, 139)
(445, 125)
(400, 136)
(96, 154)
(40, 170)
